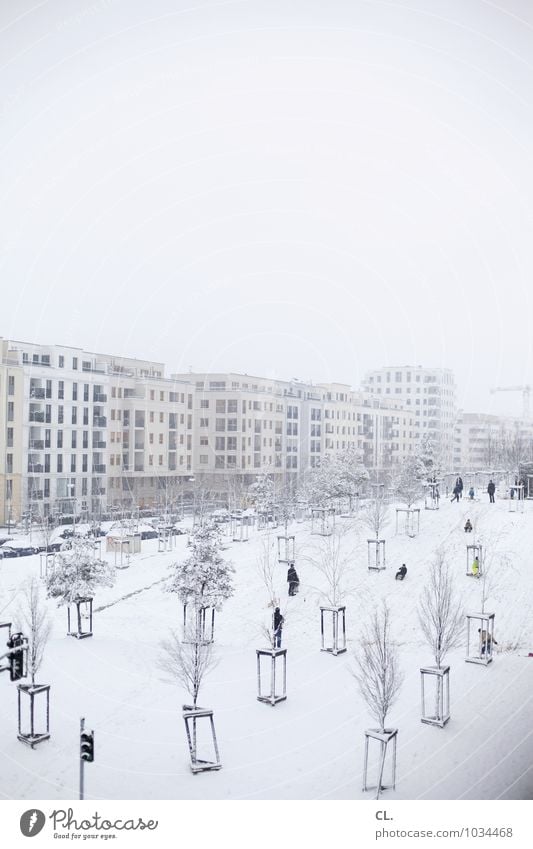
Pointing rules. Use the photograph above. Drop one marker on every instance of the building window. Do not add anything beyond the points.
(204, 404)
(11, 385)
(220, 425)
(75, 363)
(221, 406)
(204, 459)
(203, 422)
(10, 411)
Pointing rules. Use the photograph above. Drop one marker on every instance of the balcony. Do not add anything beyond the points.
(172, 467)
(99, 398)
(99, 443)
(99, 469)
(99, 421)
(36, 445)
(138, 467)
(36, 392)
(36, 495)
(36, 417)
(36, 467)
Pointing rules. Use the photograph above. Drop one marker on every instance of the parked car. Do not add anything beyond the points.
(18, 550)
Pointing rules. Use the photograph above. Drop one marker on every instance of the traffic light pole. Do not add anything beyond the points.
(82, 762)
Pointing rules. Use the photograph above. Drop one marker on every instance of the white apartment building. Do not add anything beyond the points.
(489, 442)
(429, 394)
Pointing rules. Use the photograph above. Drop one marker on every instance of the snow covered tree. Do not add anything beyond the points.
(263, 493)
(376, 666)
(349, 474)
(78, 573)
(34, 621)
(319, 483)
(408, 480)
(430, 459)
(204, 579)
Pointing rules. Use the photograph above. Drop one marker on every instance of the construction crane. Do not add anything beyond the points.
(525, 390)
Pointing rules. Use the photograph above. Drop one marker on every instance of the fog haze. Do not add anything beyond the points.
(293, 189)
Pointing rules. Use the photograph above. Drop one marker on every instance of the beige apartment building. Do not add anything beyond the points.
(81, 433)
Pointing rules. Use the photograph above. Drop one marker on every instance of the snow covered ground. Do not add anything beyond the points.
(311, 746)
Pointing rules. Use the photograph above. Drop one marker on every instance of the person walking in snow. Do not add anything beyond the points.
(293, 580)
(468, 526)
(456, 492)
(278, 621)
(471, 493)
(401, 573)
(491, 489)
(460, 485)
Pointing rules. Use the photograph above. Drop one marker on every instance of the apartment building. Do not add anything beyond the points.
(489, 442)
(429, 394)
(247, 425)
(82, 432)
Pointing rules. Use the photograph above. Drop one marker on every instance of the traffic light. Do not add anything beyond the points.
(16, 659)
(87, 746)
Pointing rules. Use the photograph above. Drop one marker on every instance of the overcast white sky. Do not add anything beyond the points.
(296, 188)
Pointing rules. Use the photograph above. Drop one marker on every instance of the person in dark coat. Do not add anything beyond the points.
(460, 485)
(278, 621)
(468, 526)
(293, 580)
(401, 573)
(491, 489)
(456, 493)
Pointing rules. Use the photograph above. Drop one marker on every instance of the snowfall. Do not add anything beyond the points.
(310, 746)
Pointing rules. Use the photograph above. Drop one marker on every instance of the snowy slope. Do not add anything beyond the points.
(311, 745)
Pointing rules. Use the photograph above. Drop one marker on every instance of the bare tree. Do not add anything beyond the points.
(376, 666)
(440, 614)
(332, 558)
(268, 570)
(34, 621)
(188, 662)
(376, 516)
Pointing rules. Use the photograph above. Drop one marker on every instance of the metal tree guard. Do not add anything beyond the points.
(27, 733)
(205, 624)
(165, 538)
(322, 521)
(479, 644)
(517, 503)
(300, 511)
(383, 738)
(473, 551)
(46, 563)
(85, 613)
(376, 554)
(410, 513)
(431, 496)
(240, 529)
(191, 715)
(337, 645)
(438, 712)
(273, 697)
(286, 546)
